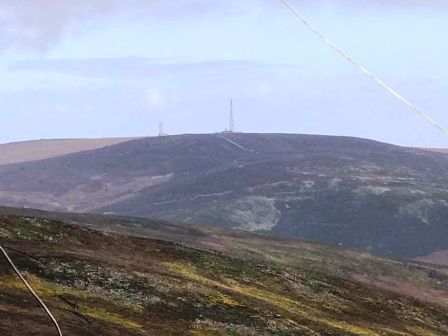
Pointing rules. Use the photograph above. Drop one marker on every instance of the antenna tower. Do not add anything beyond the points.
(232, 118)
(161, 130)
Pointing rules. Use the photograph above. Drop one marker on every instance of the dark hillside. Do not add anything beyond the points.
(387, 199)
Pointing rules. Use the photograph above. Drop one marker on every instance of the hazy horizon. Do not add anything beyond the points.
(99, 69)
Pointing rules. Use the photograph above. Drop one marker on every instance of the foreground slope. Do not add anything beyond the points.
(387, 199)
(106, 283)
(422, 280)
(25, 151)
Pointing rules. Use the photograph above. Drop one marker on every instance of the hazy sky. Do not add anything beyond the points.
(101, 68)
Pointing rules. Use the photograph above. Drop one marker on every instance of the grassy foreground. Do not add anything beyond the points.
(106, 283)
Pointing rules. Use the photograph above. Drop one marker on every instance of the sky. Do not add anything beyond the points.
(106, 68)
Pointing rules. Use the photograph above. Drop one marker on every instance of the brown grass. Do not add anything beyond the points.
(25, 151)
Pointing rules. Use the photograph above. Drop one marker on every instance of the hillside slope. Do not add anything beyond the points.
(106, 283)
(387, 199)
(18, 152)
(437, 150)
(422, 280)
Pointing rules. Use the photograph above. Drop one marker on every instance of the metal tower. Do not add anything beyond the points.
(161, 130)
(232, 118)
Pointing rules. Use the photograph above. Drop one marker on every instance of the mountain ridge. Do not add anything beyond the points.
(360, 193)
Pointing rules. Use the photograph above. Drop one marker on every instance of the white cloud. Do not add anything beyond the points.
(264, 89)
(131, 67)
(61, 108)
(41, 23)
(156, 98)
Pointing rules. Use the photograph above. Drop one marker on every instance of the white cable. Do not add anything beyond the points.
(31, 290)
(365, 70)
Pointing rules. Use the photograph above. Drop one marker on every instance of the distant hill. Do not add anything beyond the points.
(25, 151)
(216, 282)
(438, 150)
(387, 199)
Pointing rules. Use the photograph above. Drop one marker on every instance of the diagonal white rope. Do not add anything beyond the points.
(31, 290)
(363, 69)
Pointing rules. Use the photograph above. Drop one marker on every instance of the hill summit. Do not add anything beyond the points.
(387, 199)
